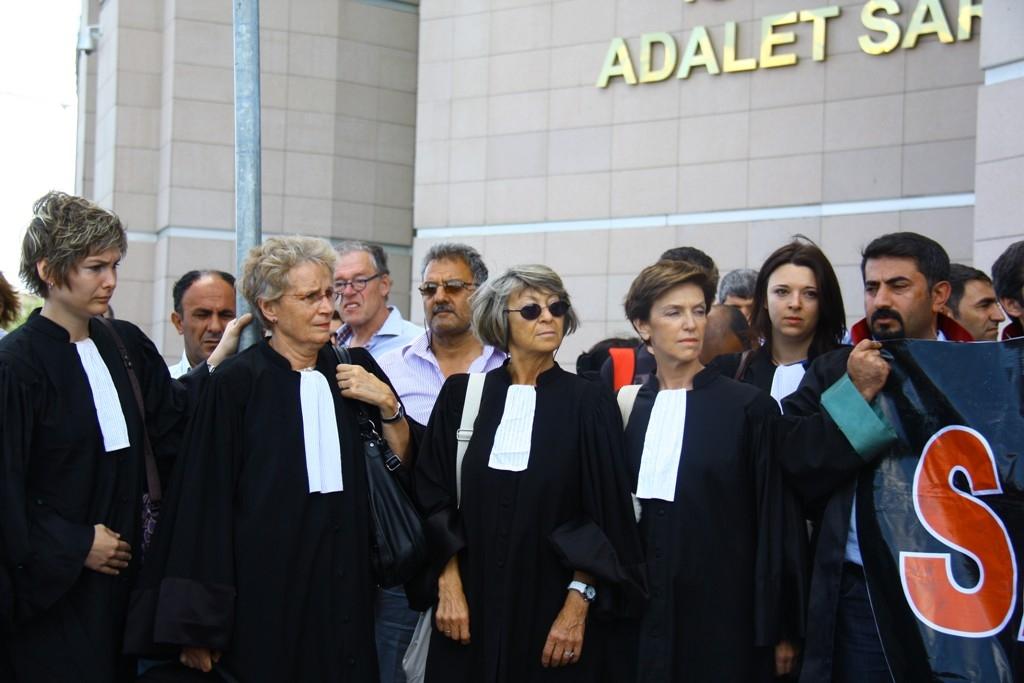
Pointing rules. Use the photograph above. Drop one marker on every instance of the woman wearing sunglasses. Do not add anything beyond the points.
(713, 521)
(544, 536)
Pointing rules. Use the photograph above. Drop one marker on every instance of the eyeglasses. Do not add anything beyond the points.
(314, 298)
(357, 284)
(533, 311)
(429, 289)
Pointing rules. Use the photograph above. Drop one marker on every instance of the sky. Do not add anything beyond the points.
(38, 113)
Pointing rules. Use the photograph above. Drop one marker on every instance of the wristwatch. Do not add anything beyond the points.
(399, 414)
(585, 589)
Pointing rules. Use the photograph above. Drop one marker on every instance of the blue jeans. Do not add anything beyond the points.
(394, 629)
(859, 657)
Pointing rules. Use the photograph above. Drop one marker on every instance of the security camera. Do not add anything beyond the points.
(87, 38)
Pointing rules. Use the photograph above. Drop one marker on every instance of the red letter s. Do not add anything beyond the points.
(966, 524)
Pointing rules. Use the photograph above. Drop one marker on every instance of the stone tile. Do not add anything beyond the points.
(397, 70)
(354, 179)
(397, 107)
(577, 65)
(469, 160)
(394, 187)
(436, 40)
(519, 200)
(999, 108)
(585, 195)
(137, 211)
(579, 150)
(314, 16)
(764, 237)
(589, 296)
(137, 264)
(843, 237)
(353, 99)
(713, 186)
(312, 94)
(851, 284)
(352, 221)
(725, 243)
(355, 138)
(1002, 20)
(519, 72)
(432, 162)
(933, 65)
(137, 170)
(952, 228)
(722, 137)
(863, 174)
(185, 254)
(786, 87)
(701, 96)
(203, 43)
(469, 118)
(308, 175)
(137, 126)
(307, 216)
(133, 301)
(999, 201)
(520, 29)
(653, 102)
(395, 144)
(870, 122)
(517, 113)
(515, 156)
(274, 15)
(196, 121)
(434, 120)
(855, 74)
(143, 15)
(273, 128)
(272, 208)
(393, 225)
(958, 119)
(631, 250)
(313, 56)
(716, 13)
(582, 21)
(987, 251)
(359, 62)
(471, 35)
(784, 181)
(645, 145)
(786, 131)
(579, 253)
(201, 208)
(645, 192)
(504, 251)
(273, 91)
(134, 89)
(938, 167)
(435, 82)
(579, 108)
(272, 171)
(633, 19)
(618, 286)
(466, 203)
(310, 132)
(468, 77)
(139, 50)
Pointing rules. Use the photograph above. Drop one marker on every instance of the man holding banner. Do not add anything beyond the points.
(853, 424)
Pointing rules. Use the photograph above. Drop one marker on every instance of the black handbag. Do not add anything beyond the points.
(398, 545)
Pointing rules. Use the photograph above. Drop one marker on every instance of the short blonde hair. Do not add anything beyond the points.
(65, 230)
(490, 321)
(266, 268)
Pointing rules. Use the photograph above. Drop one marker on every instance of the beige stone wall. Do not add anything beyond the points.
(999, 211)
(338, 81)
(513, 137)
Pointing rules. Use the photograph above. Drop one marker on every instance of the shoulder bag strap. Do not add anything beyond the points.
(152, 473)
(470, 409)
(623, 366)
(626, 397)
(744, 364)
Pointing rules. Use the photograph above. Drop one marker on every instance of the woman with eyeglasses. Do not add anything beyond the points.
(544, 540)
(724, 588)
(265, 547)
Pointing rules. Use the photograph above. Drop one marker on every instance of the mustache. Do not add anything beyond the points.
(442, 308)
(886, 314)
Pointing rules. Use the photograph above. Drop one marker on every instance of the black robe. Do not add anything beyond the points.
(760, 370)
(520, 535)
(723, 591)
(254, 565)
(65, 622)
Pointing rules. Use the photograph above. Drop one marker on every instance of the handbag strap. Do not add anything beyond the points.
(392, 462)
(470, 409)
(152, 473)
(745, 359)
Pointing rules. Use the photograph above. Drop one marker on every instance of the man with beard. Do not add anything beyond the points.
(204, 303)
(451, 273)
(832, 432)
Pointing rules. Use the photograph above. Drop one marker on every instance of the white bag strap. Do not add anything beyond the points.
(470, 409)
(626, 398)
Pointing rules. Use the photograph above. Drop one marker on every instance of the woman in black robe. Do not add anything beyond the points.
(544, 504)
(264, 549)
(713, 519)
(72, 464)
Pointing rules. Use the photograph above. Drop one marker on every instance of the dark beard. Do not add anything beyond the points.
(887, 334)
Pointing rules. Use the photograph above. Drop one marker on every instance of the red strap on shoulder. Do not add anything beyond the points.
(623, 366)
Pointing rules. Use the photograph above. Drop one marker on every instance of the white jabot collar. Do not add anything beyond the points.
(786, 380)
(104, 397)
(511, 450)
(663, 446)
(320, 433)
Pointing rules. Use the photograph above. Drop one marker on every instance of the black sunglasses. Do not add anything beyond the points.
(450, 287)
(533, 311)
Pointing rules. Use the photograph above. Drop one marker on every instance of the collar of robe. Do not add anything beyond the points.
(549, 375)
(786, 380)
(320, 432)
(663, 446)
(511, 449)
(109, 413)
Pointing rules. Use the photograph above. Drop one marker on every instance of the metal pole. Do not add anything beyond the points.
(248, 211)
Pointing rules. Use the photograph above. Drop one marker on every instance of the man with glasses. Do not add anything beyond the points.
(362, 283)
(451, 273)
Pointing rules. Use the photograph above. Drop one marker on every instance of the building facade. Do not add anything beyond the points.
(590, 135)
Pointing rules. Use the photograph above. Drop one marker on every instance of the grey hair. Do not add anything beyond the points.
(266, 269)
(454, 250)
(66, 230)
(490, 322)
(740, 282)
(376, 252)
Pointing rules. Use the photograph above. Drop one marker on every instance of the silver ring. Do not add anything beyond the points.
(570, 654)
